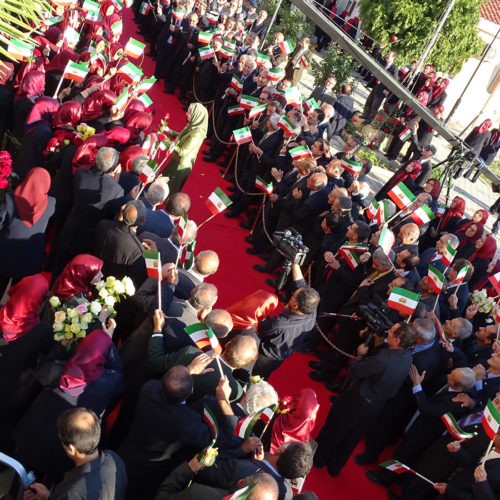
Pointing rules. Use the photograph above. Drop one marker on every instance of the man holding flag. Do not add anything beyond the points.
(453, 300)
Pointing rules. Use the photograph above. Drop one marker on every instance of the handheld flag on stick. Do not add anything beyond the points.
(386, 240)
(235, 110)
(305, 61)
(275, 74)
(460, 276)
(401, 196)
(130, 73)
(440, 330)
(245, 426)
(241, 494)
(217, 202)
(300, 152)
(256, 111)
(236, 83)
(292, 96)
(435, 279)
(148, 171)
(372, 209)
(210, 419)
(206, 52)
(454, 429)
(352, 166)
(189, 255)
(310, 105)
(153, 264)
(286, 47)
(242, 135)
(491, 420)
(495, 281)
(352, 253)
(441, 209)
(20, 50)
(262, 58)
(404, 135)
(448, 255)
(422, 215)
(203, 338)
(134, 48)
(400, 468)
(403, 300)
(205, 37)
(74, 71)
(181, 226)
(248, 101)
(266, 187)
(286, 125)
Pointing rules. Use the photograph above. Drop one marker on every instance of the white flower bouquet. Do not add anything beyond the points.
(71, 323)
(111, 290)
(484, 303)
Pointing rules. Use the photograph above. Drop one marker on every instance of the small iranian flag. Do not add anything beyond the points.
(93, 16)
(300, 152)
(435, 278)
(76, 72)
(145, 85)
(274, 74)
(262, 58)
(441, 209)
(145, 6)
(134, 48)
(71, 35)
(128, 3)
(153, 263)
(117, 28)
(149, 144)
(403, 300)
(242, 493)
(209, 418)
(261, 184)
(205, 37)
(372, 209)
(395, 466)
(51, 21)
(351, 253)
(242, 135)
(226, 52)
(217, 201)
(229, 44)
(198, 335)
(386, 239)
(181, 226)
(189, 255)
(212, 17)
(145, 99)
(245, 426)
(352, 166)
(454, 429)
(286, 125)
(495, 281)
(214, 342)
(401, 196)
(130, 73)
(305, 61)
(148, 171)
(122, 101)
(448, 255)
(178, 14)
(460, 276)
(382, 214)
(310, 105)
(236, 83)
(422, 215)
(256, 111)
(248, 101)
(206, 52)
(286, 47)
(89, 5)
(118, 4)
(404, 135)
(491, 420)
(235, 110)
(440, 330)
(292, 96)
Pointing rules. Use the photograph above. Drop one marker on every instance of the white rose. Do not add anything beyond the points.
(86, 318)
(58, 327)
(100, 285)
(103, 293)
(129, 286)
(54, 301)
(119, 287)
(110, 301)
(95, 307)
(110, 281)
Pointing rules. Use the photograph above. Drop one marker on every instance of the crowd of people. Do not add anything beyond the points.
(121, 377)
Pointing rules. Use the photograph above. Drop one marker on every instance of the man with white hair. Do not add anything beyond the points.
(157, 221)
(434, 255)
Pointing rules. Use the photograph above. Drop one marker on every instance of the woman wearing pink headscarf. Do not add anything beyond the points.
(439, 92)
(138, 123)
(96, 108)
(484, 253)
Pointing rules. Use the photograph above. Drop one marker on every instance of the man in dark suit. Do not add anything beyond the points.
(164, 433)
(325, 94)
(406, 264)
(290, 461)
(238, 353)
(156, 221)
(376, 379)
(117, 245)
(205, 264)
(93, 188)
(380, 91)
(344, 106)
(281, 335)
(258, 27)
(453, 301)
(432, 256)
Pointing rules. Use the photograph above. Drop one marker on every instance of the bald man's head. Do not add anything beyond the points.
(266, 486)
(409, 233)
(220, 322)
(203, 296)
(79, 429)
(177, 384)
(206, 262)
(241, 351)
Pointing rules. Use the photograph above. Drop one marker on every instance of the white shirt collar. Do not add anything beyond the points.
(192, 272)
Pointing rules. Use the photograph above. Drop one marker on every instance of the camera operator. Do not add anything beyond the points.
(281, 335)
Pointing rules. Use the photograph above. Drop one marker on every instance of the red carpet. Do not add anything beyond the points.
(236, 278)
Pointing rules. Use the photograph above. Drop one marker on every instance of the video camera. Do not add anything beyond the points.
(289, 244)
(375, 319)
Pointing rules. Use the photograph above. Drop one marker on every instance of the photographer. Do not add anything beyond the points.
(281, 335)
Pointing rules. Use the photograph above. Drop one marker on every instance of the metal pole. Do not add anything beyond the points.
(459, 100)
(432, 41)
(271, 22)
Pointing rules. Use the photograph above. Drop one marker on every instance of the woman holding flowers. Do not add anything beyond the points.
(24, 215)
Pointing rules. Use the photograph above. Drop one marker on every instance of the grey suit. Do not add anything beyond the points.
(322, 96)
(187, 282)
(168, 253)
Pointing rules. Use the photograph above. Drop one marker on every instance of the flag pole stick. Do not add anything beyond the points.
(206, 220)
(159, 290)
(487, 452)
(337, 315)
(264, 431)
(252, 229)
(140, 191)
(58, 87)
(435, 303)
(178, 255)
(422, 477)
(456, 289)
(230, 161)
(220, 366)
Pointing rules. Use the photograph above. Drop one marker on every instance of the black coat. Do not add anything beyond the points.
(477, 141)
(22, 248)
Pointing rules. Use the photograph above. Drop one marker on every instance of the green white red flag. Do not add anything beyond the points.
(382, 214)
(454, 429)
(300, 152)
(386, 240)
(261, 184)
(448, 255)
(189, 255)
(460, 276)
(352, 253)
(205, 37)
(495, 281)
(441, 209)
(242, 135)
(248, 101)
(117, 28)
(203, 338)
(262, 58)
(401, 196)
(148, 171)
(395, 466)
(435, 279)
(178, 14)
(256, 111)
(217, 201)
(206, 52)
(275, 74)
(181, 226)
(372, 209)
(491, 420)
(130, 73)
(226, 52)
(144, 9)
(440, 330)
(286, 125)
(245, 426)
(75, 71)
(236, 83)
(122, 101)
(352, 166)
(212, 17)
(286, 47)
(46, 23)
(304, 60)
(241, 494)
(90, 5)
(293, 97)
(404, 135)
(403, 300)
(146, 100)
(134, 48)
(210, 419)
(310, 105)
(153, 263)
(71, 35)
(235, 110)
(422, 215)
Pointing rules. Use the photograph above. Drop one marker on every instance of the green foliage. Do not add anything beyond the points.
(294, 22)
(414, 22)
(334, 63)
(364, 153)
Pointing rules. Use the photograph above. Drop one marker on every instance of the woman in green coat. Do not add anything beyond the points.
(188, 143)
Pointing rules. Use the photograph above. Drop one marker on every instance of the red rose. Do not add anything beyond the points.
(5, 156)
(6, 170)
(4, 183)
(162, 137)
(379, 118)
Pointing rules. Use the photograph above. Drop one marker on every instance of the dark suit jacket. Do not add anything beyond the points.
(310, 208)
(259, 29)
(425, 260)
(157, 222)
(168, 253)
(120, 249)
(344, 105)
(204, 384)
(187, 282)
(161, 437)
